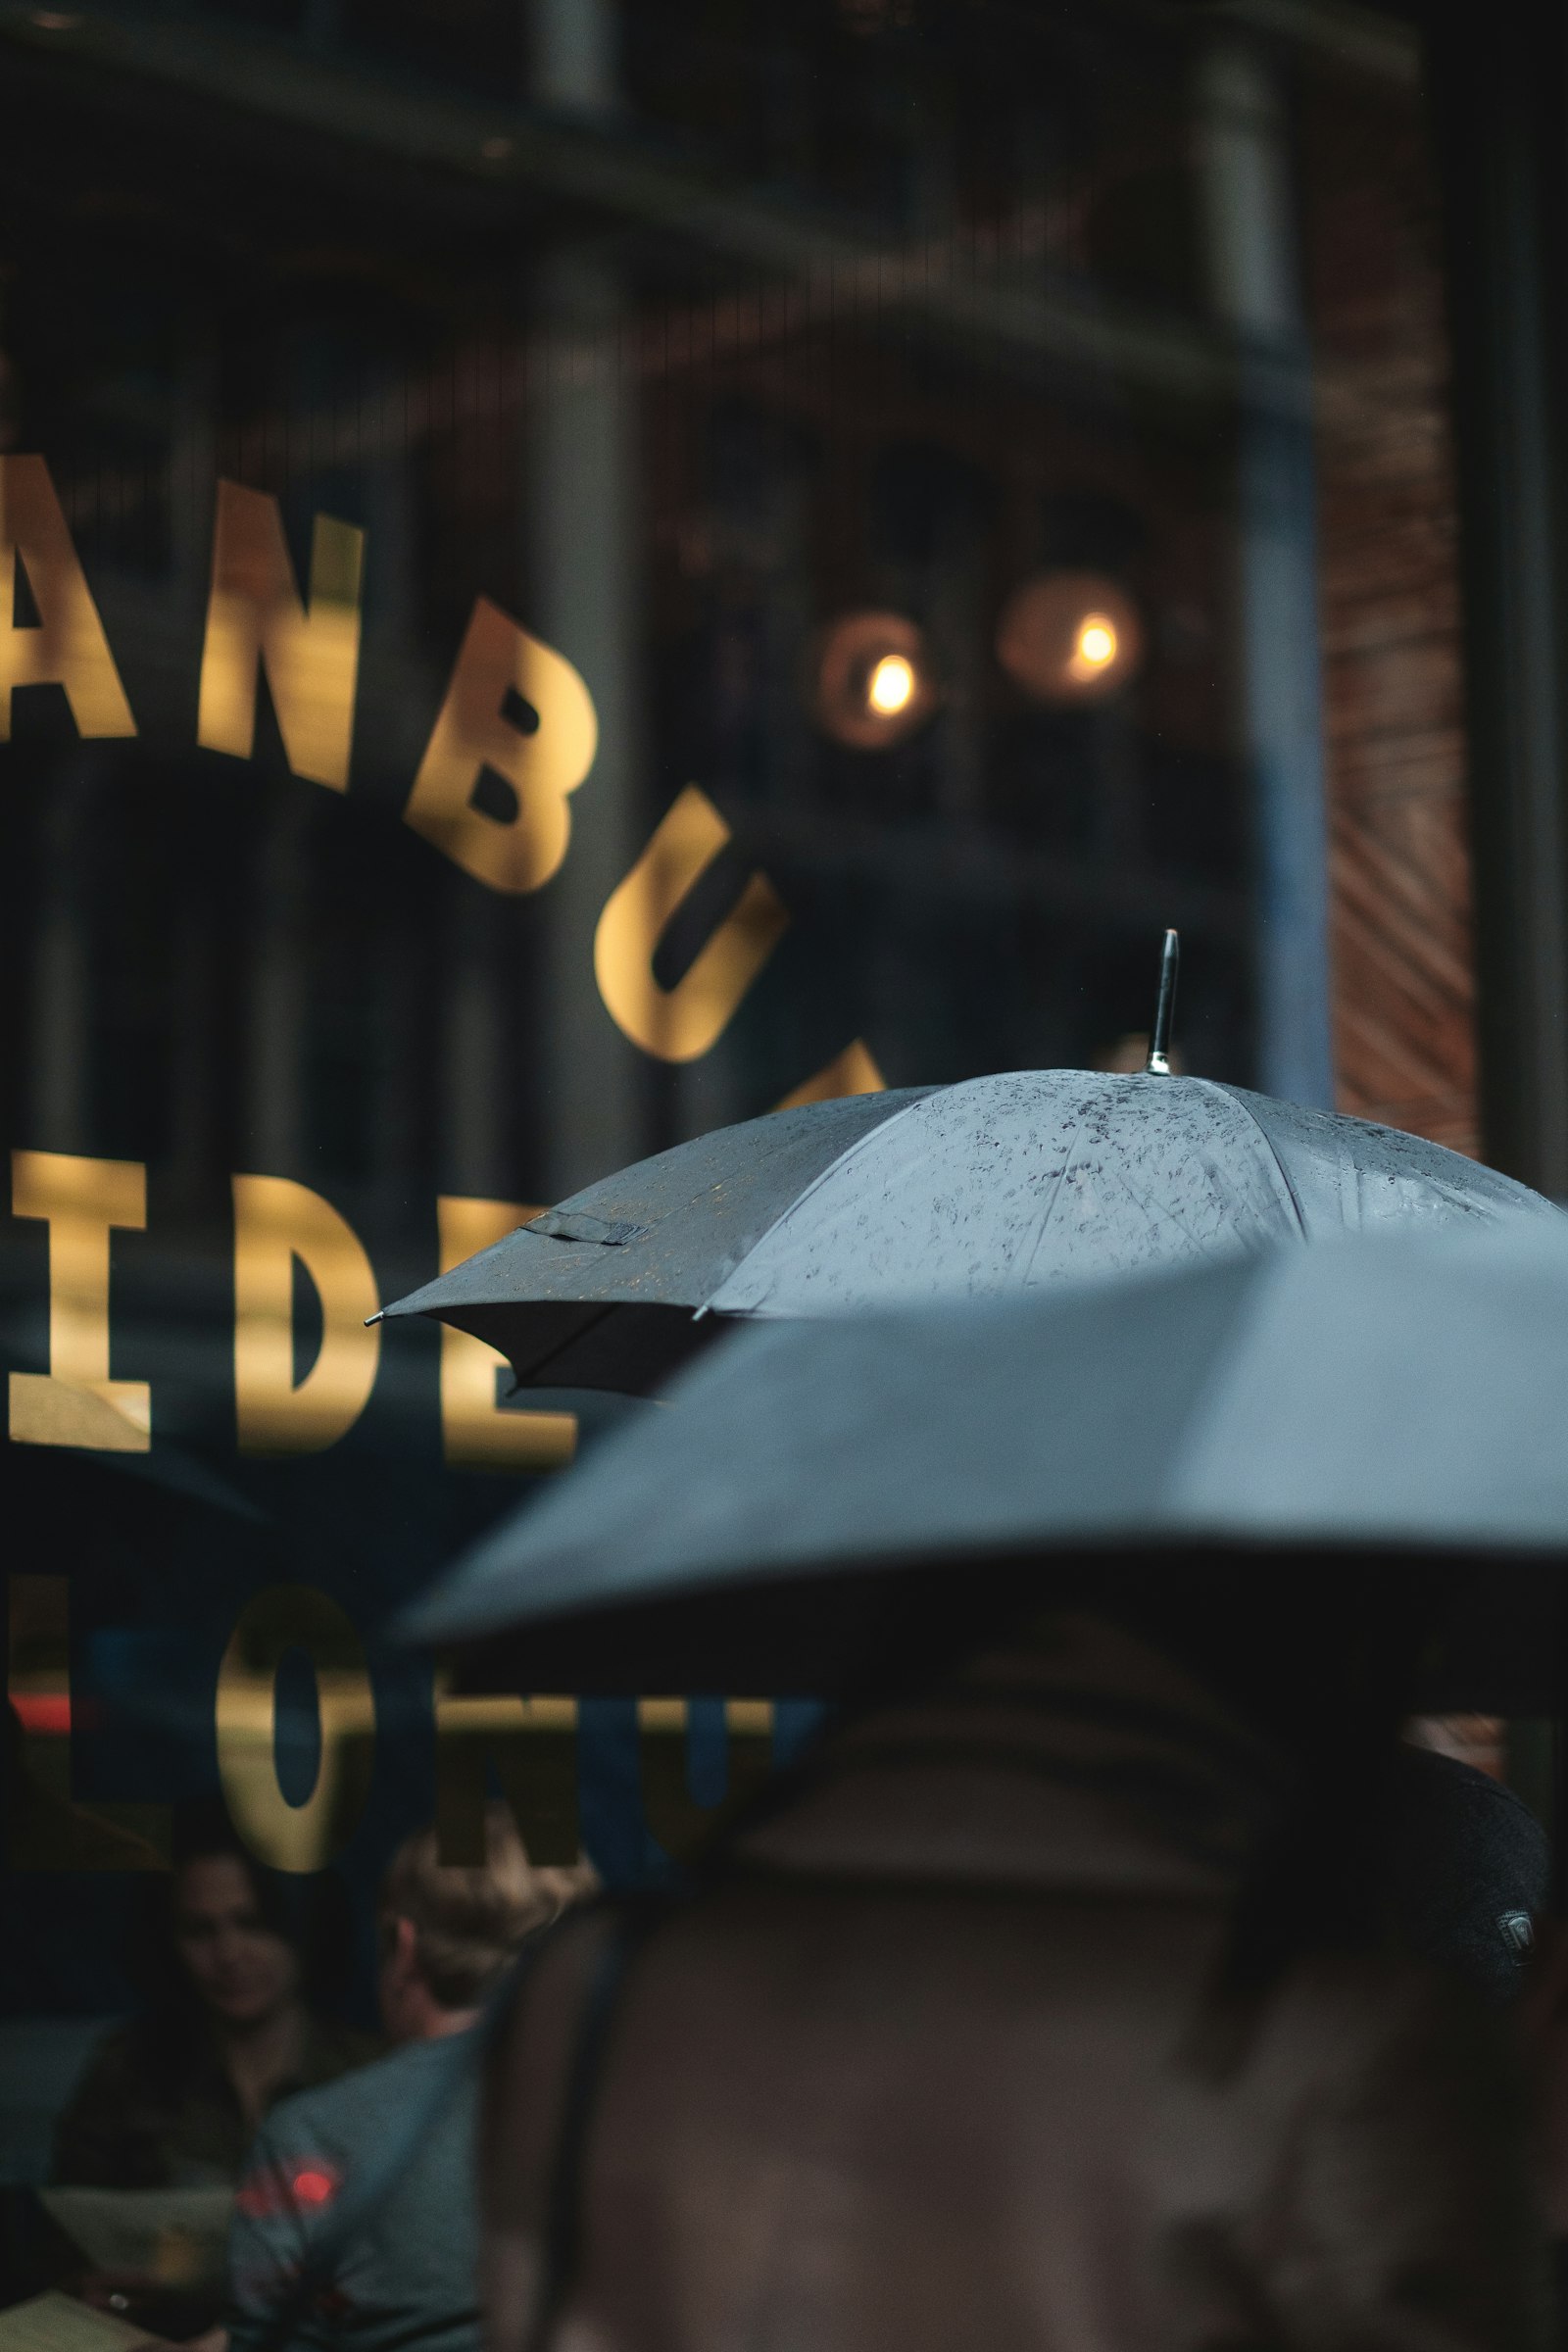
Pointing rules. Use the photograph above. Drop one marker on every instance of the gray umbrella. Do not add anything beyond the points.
(1403, 1393)
(997, 1184)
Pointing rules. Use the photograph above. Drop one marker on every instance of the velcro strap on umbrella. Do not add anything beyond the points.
(575, 1225)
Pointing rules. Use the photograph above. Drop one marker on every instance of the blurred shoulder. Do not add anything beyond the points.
(357, 2105)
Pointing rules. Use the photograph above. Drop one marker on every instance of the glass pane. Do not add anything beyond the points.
(580, 573)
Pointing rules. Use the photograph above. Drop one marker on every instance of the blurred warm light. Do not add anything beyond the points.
(891, 684)
(1069, 637)
(872, 684)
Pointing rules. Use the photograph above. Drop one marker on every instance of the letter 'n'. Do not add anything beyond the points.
(256, 621)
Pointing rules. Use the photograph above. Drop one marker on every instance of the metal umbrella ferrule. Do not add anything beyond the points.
(1158, 1063)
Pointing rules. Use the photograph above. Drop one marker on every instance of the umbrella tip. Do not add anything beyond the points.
(1158, 1063)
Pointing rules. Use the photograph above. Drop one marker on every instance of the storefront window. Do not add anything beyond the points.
(579, 575)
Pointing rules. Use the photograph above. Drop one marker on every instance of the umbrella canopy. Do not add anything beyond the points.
(997, 1184)
(1399, 1395)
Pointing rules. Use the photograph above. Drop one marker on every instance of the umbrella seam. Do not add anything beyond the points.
(882, 1128)
(1233, 1095)
(1050, 1205)
(1164, 1207)
(540, 1363)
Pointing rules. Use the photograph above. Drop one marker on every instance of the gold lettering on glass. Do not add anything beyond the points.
(673, 1815)
(47, 1826)
(540, 752)
(296, 1837)
(478, 1432)
(276, 1223)
(76, 1402)
(66, 646)
(256, 621)
(851, 1072)
(531, 1745)
(679, 1023)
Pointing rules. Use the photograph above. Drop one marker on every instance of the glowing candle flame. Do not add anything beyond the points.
(1097, 640)
(891, 686)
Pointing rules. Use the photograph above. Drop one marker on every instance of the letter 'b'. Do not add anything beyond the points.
(473, 734)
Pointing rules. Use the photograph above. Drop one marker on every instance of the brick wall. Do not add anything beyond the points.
(1399, 878)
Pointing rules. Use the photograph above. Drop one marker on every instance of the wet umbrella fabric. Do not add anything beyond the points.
(1396, 1394)
(1000, 1184)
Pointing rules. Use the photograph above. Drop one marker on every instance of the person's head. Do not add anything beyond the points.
(1469, 1869)
(228, 1933)
(1283, 1641)
(449, 1930)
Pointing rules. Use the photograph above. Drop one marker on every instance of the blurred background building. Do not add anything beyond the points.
(582, 570)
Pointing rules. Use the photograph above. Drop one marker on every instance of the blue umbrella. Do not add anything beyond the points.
(1000, 1184)
(1402, 1396)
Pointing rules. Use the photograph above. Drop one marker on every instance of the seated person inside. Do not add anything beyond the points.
(395, 2142)
(173, 2099)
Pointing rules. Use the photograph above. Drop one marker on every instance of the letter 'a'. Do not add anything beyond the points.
(65, 646)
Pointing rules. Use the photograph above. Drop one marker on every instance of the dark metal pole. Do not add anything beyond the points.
(1501, 119)
(1500, 114)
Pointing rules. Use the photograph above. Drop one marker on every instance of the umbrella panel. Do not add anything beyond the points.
(1497, 1642)
(600, 1292)
(991, 1186)
(621, 1348)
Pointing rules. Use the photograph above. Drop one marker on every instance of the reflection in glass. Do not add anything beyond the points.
(1069, 637)
(873, 682)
